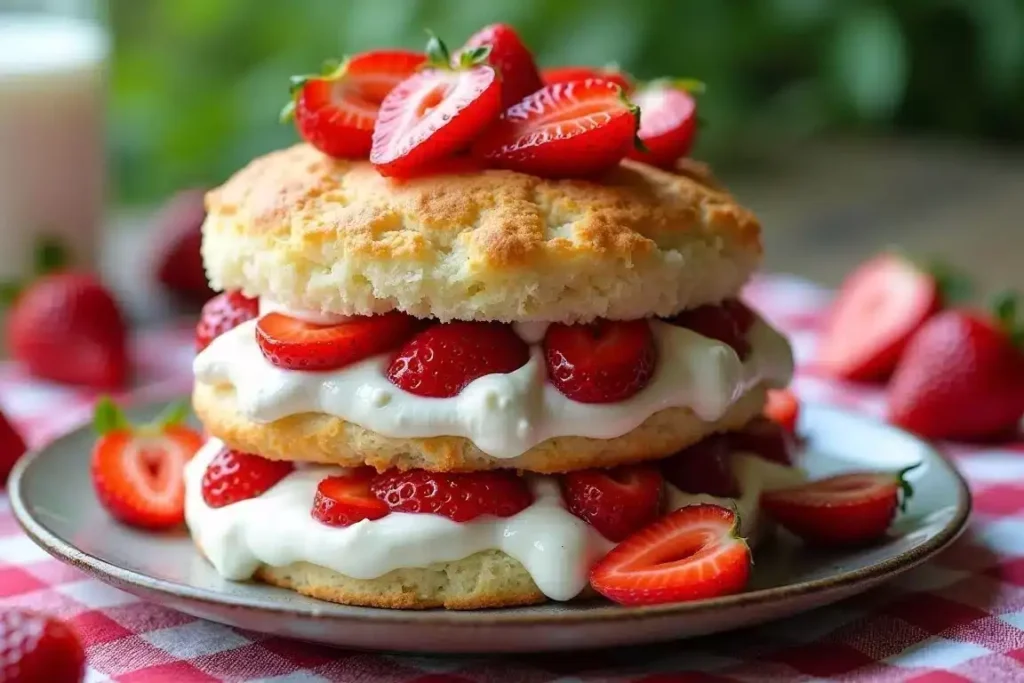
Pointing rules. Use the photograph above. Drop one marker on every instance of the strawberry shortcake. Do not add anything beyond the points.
(480, 346)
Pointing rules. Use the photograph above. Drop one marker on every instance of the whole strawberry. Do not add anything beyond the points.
(12, 447)
(37, 648)
(177, 237)
(67, 327)
(962, 376)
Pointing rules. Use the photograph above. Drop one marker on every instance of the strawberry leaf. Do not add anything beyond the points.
(437, 52)
(474, 56)
(9, 291)
(50, 256)
(287, 112)
(174, 414)
(108, 417)
(954, 286)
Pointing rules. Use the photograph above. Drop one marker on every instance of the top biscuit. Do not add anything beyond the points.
(333, 236)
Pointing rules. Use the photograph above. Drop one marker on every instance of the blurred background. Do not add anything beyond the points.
(848, 125)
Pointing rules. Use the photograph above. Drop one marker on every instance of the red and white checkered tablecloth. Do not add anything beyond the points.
(959, 618)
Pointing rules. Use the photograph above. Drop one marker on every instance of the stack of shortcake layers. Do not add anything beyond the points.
(465, 390)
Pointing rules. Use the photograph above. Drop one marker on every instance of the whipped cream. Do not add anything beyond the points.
(556, 548)
(504, 415)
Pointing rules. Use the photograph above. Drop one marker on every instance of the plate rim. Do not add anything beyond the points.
(868, 576)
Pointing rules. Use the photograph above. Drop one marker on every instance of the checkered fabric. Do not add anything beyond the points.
(958, 618)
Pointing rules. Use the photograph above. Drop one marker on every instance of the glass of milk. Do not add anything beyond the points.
(52, 57)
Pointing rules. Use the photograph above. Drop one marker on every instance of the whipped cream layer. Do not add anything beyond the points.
(556, 548)
(504, 415)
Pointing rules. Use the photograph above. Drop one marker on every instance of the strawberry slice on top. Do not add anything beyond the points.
(294, 344)
(668, 125)
(878, 309)
(335, 110)
(511, 58)
(435, 112)
(848, 509)
(138, 471)
(693, 553)
(565, 74)
(574, 129)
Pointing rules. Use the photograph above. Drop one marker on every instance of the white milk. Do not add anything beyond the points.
(51, 137)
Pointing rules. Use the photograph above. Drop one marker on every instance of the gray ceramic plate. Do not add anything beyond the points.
(52, 498)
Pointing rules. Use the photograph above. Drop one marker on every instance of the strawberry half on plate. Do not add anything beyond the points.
(335, 111)
(138, 472)
(575, 129)
(691, 554)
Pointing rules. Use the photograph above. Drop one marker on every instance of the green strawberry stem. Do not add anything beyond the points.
(1006, 309)
(906, 488)
(439, 57)
(330, 70)
(109, 417)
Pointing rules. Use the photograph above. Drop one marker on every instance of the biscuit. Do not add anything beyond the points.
(326, 439)
(334, 236)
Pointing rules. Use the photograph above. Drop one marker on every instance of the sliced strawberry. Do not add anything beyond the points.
(298, 345)
(616, 502)
(343, 500)
(511, 58)
(878, 309)
(668, 123)
(459, 496)
(565, 74)
(961, 377)
(68, 327)
(442, 359)
(783, 408)
(12, 447)
(35, 648)
(435, 112)
(849, 509)
(138, 472)
(224, 312)
(581, 128)
(606, 361)
(767, 439)
(336, 110)
(233, 476)
(693, 553)
(703, 468)
(728, 322)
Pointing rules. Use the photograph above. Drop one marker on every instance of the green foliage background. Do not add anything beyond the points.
(197, 84)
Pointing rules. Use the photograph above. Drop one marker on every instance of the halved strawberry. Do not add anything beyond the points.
(442, 359)
(298, 345)
(605, 361)
(693, 553)
(459, 496)
(565, 74)
(879, 307)
(511, 58)
(233, 476)
(668, 122)
(848, 509)
(335, 111)
(343, 500)
(616, 501)
(435, 112)
(224, 312)
(728, 322)
(580, 128)
(703, 468)
(783, 408)
(138, 471)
